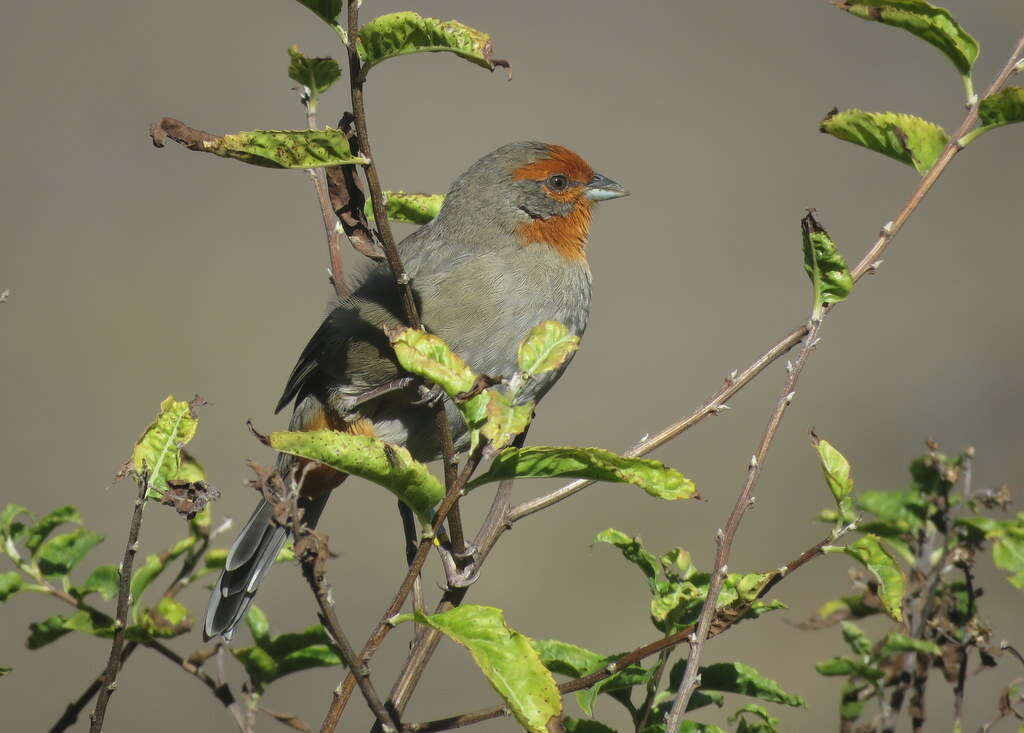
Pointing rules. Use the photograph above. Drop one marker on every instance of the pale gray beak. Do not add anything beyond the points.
(602, 189)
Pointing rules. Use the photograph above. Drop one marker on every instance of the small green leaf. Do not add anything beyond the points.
(8, 526)
(1003, 107)
(286, 148)
(743, 679)
(273, 657)
(903, 510)
(59, 555)
(619, 686)
(103, 580)
(929, 23)
(850, 704)
(10, 583)
(827, 270)
(891, 584)
(151, 569)
(5, 670)
(47, 631)
(563, 658)
(505, 419)
(898, 643)
(591, 463)
(1008, 554)
(903, 137)
(843, 667)
(857, 640)
(192, 471)
(546, 348)
(390, 466)
(258, 625)
(837, 474)
(157, 453)
(759, 721)
(169, 618)
(506, 658)
(408, 208)
(398, 34)
(633, 550)
(315, 73)
(42, 528)
(215, 559)
(326, 10)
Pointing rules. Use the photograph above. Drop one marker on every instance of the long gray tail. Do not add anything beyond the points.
(249, 559)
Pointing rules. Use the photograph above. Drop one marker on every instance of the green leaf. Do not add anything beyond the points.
(151, 569)
(1003, 107)
(157, 454)
(42, 528)
(5, 670)
(826, 268)
(903, 137)
(273, 657)
(837, 474)
(929, 23)
(192, 471)
(563, 658)
(390, 466)
(633, 550)
(891, 584)
(291, 149)
(45, 632)
(857, 640)
(10, 583)
(505, 419)
(408, 208)
(578, 725)
(898, 643)
(903, 510)
(1008, 554)
(759, 721)
(506, 658)
(103, 580)
(843, 667)
(546, 348)
(326, 10)
(850, 704)
(398, 34)
(619, 686)
(59, 555)
(169, 618)
(315, 73)
(428, 356)
(590, 463)
(743, 679)
(8, 526)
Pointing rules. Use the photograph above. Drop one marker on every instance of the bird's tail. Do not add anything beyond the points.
(248, 561)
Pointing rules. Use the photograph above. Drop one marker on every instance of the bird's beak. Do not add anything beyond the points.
(602, 189)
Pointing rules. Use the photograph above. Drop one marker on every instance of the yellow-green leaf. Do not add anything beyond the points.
(654, 477)
(315, 73)
(505, 419)
(546, 348)
(929, 23)
(837, 474)
(286, 148)
(408, 208)
(157, 454)
(824, 264)
(398, 34)
(390, 466)
(507, 659)
(903, 137)
(870, 553)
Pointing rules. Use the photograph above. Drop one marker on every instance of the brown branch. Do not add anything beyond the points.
(725, 618)
(109, 683)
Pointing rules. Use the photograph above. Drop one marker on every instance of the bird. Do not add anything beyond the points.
(506, 251)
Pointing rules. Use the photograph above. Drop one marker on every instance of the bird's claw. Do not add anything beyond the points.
(429, 395)
(460, 569)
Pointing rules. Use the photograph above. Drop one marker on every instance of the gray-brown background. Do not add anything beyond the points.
(135, 273)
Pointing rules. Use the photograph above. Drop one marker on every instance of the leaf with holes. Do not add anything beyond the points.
(402, 33)
(408, 208)
(507, 660)
(903, 137)
(387, 465)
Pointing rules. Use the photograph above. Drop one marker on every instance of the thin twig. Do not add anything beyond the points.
(726, 618)
(332, 226)
(725, 538)
(121, 617)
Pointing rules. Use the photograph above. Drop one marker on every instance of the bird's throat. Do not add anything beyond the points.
(566, 234)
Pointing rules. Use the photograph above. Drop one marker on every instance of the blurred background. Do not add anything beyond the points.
(135, 273)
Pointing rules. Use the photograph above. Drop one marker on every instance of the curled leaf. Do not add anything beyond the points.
(903, 137)
(546, 348)
(870, 553)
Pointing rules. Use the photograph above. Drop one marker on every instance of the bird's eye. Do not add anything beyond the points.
(558, 182)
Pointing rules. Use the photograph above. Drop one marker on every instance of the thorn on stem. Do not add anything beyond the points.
(753, 461)
(790, 396)
(403, 279)
(887, 229)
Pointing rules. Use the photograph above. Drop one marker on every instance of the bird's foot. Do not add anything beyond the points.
(460, 569)
(430, 395)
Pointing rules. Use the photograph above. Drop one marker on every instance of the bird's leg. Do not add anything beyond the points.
(460, 570)
(430, 395)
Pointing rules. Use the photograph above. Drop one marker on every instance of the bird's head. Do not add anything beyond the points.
(536, 192)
